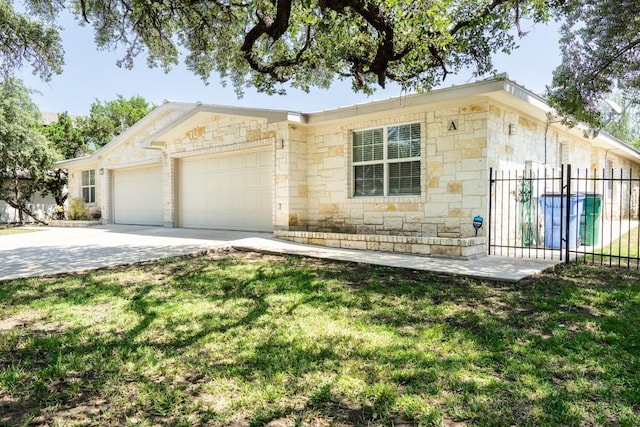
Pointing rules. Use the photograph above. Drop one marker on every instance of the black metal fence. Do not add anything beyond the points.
(582, 215)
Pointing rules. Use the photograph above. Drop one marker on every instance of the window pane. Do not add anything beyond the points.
(86, 195)
(369, 180)
(393, 142)
(415, 140)
(368, 145)
(92, 194)
(403, 141)
(404, 178)
(89, 177)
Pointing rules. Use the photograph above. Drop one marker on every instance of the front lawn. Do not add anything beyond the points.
(622, 252)
(247, 339)
(7, 230)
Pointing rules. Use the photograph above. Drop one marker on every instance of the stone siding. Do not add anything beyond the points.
(468, 248)
(453, 179)
(218, 133)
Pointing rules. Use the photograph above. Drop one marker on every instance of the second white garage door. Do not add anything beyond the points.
(231, 192)
(137, 196)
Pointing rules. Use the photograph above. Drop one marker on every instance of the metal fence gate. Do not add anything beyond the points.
(566, 214)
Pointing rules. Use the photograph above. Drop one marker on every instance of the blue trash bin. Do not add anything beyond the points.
(552, 207)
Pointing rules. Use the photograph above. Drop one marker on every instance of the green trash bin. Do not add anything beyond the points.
(590, 220)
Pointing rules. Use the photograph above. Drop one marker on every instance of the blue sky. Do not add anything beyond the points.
(90, 74)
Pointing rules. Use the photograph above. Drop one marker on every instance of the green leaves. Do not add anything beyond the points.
(600, 48)
(306, 43)
(110, 118)
(25, 154)
(33, 41)
(272, 45)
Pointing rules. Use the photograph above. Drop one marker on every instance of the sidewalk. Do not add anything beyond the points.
(490, 267)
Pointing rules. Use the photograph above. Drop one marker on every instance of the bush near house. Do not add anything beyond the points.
(78, 210)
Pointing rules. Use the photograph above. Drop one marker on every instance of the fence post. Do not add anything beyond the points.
(490, 209)
(567, 213)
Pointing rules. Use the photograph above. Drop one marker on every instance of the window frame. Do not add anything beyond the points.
(610, 180)
(386, 161)
(90, 187)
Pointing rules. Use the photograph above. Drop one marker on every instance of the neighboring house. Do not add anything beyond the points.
(42, 207)
(406, 174)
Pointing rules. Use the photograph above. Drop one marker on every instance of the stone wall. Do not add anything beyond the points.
(467, 248)
(453, 179)
(217, 133)
(290, 181)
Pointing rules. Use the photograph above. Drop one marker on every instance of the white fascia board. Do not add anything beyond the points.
(615, 144)
(414, 100)
(63, 164)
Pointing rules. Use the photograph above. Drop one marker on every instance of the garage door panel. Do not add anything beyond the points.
(137, 196)
(227, 192)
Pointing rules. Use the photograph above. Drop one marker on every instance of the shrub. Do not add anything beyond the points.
(77, 210)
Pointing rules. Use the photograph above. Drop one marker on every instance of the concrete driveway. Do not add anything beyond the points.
(66, 250)
(61, 250)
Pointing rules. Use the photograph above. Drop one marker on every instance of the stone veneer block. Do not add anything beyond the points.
(386, 246)
(333, 243)
(448, 251)
(421, 249)
(402, 247)
(373, 246)
(352, 244)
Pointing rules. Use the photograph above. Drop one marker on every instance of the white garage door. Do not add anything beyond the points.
(231, 192)
(137, 196)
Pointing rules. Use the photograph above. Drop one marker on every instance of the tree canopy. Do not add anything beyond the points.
(600, 47)
(623, 123)
(108, 119)
(30, 37)
(275, 44)
(66, 137)
(67, 141)
(266, 43)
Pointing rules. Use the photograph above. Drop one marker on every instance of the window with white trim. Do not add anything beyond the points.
(386, 161)
(609, 179)
(89, 186)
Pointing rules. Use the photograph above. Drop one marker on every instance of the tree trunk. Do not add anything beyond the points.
(16, 195)
(24, 210)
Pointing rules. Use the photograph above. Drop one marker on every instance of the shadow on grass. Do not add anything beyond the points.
(258, 340)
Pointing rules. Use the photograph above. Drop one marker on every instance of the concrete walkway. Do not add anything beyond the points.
(65, 250)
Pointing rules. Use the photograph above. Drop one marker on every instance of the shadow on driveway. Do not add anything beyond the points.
(64, 250)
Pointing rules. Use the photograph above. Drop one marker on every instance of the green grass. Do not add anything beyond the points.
(245, 339)
(5, 231)
(622, 252)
